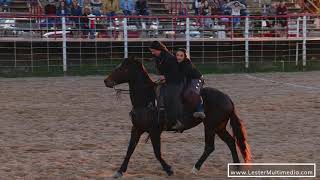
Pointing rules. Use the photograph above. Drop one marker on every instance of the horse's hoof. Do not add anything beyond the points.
(117, 175)
(169, 171)
(194, 170)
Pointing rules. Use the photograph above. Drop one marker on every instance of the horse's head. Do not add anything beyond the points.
(123, 73)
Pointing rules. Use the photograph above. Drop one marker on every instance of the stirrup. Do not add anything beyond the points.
(200, 114)
(178, 127)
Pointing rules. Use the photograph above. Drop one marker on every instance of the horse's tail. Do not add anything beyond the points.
(240, 134)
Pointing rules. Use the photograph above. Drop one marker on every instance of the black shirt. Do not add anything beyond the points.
(188, 70)
(167, 65)
(85, 20)
(141, 6)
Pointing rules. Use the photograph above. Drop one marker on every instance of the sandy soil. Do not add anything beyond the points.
(74, 128)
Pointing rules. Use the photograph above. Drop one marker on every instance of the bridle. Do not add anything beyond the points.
(120, 91)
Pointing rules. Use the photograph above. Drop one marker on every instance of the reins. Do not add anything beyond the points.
(120, 91)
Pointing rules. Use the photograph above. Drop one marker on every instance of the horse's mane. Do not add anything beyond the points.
(145, 71)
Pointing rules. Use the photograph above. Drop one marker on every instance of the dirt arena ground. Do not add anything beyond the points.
(74, 128)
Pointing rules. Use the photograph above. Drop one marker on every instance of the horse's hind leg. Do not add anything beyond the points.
(230, 141)
(209, 147)
(135, 136)
(156, 143)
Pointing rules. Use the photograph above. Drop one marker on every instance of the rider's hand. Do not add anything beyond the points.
(162, 78)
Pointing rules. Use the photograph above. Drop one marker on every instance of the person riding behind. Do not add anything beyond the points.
(167, 66)
(194, 82)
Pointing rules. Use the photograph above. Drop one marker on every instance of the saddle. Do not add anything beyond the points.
(190, 98)
(190, 95)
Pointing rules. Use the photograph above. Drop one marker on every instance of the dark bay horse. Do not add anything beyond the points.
(219, 108)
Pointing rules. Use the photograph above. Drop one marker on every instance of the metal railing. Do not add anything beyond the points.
(59, 41)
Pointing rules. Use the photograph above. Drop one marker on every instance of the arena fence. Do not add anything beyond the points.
(98, 43)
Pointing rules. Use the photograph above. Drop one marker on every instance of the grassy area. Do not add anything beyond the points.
(208, 68)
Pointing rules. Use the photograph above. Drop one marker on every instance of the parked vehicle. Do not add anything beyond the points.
(18, 27)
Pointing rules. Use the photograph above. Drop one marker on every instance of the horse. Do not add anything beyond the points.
(218, 107)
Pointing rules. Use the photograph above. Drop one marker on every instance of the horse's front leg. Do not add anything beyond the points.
(135, 136)
(156, 143)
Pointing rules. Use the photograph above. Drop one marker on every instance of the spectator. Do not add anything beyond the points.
(76, 10)
(34, 7)
(182, 12)
(142, 8)
(111, 7)
(127, 7)
(68, 3)
(272, 11)
(88, 23)
(80, 2)
(46, 2)
(4, 4)
(215, 5)
(244, 2)
(244, 10)
(63, 9)
(96, 7)
(225, 8)
(196, 7)
(206, 11)
(234, 8)
(50, 9)
(237, 7)
(281, 11)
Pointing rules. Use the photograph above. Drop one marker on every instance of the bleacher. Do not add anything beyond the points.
(35, 32)
(165, 7)
(159, 7)
(167, 26)
(18, 7)
(312, 6)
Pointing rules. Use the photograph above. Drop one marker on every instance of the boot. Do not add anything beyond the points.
(178, 127)
(200, 112)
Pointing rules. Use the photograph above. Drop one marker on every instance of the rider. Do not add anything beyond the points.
(167, 66)
(194, 82)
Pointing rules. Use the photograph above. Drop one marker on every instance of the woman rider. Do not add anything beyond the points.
(167, 66)
(194, 83)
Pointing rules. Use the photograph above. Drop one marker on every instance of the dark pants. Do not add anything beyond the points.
(143, 12)
(191, 94)
(196, 11)
(111, 14)
(282, 22)
(86, 31)
(172, 102)
(127, 13)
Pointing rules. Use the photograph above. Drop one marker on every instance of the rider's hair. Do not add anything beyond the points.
(185, 52)
(158, 46)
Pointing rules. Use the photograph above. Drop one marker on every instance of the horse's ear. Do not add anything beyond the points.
(133, 59)
(139, 60)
